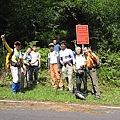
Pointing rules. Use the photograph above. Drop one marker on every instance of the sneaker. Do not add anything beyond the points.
(37, 82)
(96, 97)
(80, 96)
(14, 93)
(61, 88)
(29, 85)
(31, 82)
(20, 93)
(54, 88)
(71, 92)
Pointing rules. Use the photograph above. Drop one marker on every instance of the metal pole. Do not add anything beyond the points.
(82, 47)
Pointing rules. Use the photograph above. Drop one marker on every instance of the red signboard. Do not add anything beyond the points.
(82, 34)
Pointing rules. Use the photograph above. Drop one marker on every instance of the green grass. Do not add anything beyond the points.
(44, 92)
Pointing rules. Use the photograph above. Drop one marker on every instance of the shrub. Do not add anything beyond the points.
(110, 71)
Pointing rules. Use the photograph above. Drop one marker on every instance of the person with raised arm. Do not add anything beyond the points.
(16, 63)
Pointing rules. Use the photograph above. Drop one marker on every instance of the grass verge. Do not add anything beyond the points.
(44, 92)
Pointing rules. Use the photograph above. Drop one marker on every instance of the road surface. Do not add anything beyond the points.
(33, 110)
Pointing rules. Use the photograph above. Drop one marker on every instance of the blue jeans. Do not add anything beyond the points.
(34, 69)
(16, 87)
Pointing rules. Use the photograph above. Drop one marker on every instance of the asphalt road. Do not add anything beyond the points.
(38, 110)
(28, 114)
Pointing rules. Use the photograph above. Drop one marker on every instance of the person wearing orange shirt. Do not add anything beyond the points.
(91, 63)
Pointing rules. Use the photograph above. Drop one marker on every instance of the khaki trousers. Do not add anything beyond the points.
(67, 72)
(94, 82)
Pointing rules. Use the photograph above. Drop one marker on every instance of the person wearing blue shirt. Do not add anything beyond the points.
(57, 47)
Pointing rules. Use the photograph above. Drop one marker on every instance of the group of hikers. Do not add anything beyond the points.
(83, 63)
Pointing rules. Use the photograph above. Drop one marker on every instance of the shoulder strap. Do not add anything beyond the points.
(55, 53)
(12, 53)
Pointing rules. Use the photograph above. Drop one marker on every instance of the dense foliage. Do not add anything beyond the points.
(109, 72)
(28, 20)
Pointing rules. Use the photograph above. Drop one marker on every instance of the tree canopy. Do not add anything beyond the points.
(39, 20)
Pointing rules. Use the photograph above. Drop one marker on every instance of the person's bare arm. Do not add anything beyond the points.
(39, 61)
(74, 68)
(93, 55)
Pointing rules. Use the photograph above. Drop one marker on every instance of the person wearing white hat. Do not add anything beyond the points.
(54, 67)
(79, 67)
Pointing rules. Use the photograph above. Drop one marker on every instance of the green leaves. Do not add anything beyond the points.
(110, 70)
(28, 20)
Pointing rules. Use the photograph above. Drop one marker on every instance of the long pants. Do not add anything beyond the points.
(81, 77)
(67, 71)
(55, 75)
(34, 69)
(28, 75)
(22, 79)
(94, 82)
(16, 75)
(15, 87)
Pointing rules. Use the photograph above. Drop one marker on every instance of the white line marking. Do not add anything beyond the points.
(11, 101)
(111, 107)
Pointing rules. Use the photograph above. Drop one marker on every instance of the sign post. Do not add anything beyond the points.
(82, 34)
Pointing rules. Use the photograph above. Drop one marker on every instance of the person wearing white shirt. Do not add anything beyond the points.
(54, 67)
(27, 63)
(67, 60)
(79, 67)
(35, 64)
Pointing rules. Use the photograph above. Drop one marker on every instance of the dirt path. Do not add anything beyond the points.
(57, 106)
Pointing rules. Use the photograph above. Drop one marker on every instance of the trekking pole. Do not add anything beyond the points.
(3, 54)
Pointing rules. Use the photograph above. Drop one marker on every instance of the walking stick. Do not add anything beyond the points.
(3, 54)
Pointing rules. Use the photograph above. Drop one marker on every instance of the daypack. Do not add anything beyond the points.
(94, 62)
(99, 63)
(8, 58)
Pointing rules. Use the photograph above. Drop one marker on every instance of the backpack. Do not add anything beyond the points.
(8, 58)
(99, 63)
